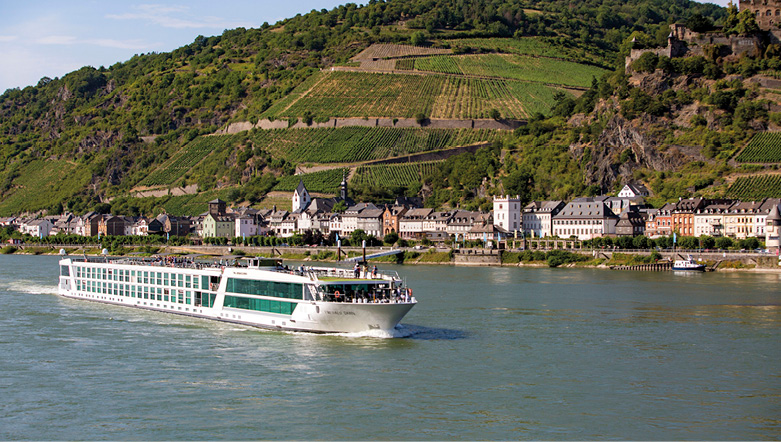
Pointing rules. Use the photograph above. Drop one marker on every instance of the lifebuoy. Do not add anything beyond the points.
(336, 293)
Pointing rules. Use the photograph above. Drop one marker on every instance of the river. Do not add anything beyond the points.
(488, 353)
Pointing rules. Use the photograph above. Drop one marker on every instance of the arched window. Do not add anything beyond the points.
(769, 13)
(778, 12)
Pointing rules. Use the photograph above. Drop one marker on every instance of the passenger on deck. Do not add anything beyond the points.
(357, 270)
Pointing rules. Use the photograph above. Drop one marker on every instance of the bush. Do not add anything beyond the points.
(7, 250)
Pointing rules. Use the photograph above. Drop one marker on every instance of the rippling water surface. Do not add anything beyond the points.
(488, 353)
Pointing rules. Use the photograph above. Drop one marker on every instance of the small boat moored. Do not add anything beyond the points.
(688, 264)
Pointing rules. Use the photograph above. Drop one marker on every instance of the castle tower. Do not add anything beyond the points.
(301, 198)
(507, 212)
(217, 207)
(773, 229)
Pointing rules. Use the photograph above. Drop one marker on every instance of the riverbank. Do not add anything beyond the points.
(721, 261)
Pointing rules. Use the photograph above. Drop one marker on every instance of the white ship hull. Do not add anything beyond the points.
(309, 310)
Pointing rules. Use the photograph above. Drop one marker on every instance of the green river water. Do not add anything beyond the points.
(488, 353)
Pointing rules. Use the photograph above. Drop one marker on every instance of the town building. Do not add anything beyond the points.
(370, 221)
(761, 215)
(391, 219)
(37, 227)
(739, 219)
(584, 219)
(301, 198)
(630, 223)
(773, 230)
(462, 222)
(538, 218)
(411, 223)
(634, 190)
(709, 220)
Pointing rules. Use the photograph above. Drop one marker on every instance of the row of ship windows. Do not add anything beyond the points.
(133, 291)
(265, 288)
(140, 276)
(152, 293)
(260, 305)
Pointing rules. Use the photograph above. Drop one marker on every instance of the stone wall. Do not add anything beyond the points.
(234, 128)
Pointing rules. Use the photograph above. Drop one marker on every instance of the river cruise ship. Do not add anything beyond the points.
(254, 292)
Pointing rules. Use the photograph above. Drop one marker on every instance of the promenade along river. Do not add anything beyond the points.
(488, 353)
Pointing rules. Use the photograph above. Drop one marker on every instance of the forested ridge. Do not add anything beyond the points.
(111, 131)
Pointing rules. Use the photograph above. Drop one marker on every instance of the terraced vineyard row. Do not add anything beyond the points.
(381, 50)
(184, 160)
(533, 46)
(394, 175)
(763, 148)
(516, 67)
(441, 63)
(755, 187)
(351, 144)
(324, 181)
(278, 107)
(352, 94)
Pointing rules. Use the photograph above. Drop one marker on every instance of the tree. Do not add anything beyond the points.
(418, 38)
(339, 207)
(494, 114)
(519, 182)
(624, 242)
(749, 243)
(391, 238)
(699, 23)
(357, 237)
(723, 242)
(707, 242)
(646, 62)
(641, 242)
(688, 242)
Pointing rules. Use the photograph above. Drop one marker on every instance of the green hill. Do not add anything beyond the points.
(96, 135)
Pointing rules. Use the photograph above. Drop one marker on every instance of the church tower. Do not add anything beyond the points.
(301, 198)
(343, 187)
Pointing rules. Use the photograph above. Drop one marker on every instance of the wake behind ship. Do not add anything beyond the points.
(255, 292)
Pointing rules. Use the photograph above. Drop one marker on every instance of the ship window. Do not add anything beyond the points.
(165, 279)
(180, 280)
(64, 271)
(187, 281)
(159, 278)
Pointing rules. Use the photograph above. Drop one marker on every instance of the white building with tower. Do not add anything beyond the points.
(507, 212)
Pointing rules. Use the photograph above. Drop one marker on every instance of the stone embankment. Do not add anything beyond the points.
(434, 123)
(718, 261)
